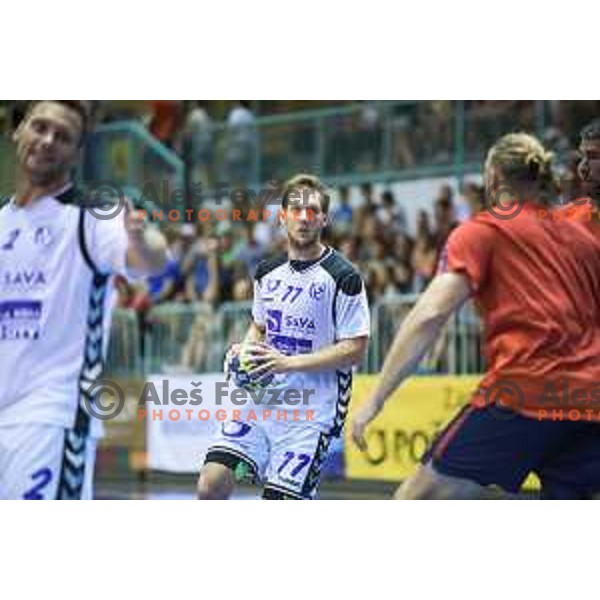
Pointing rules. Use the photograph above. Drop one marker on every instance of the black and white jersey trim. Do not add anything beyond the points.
(344, 394)
(313, 477)
(72, 471)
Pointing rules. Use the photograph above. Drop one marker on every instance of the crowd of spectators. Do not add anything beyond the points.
(214, 262)
(223, 141)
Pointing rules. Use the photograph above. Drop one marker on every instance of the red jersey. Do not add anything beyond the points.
(581, 210)
(536, 283)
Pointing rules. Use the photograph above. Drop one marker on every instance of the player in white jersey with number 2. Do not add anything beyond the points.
(310, 328)
(57, 257)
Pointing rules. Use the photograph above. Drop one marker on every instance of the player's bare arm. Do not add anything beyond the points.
(147, 247)
(343, 354)
(255, 334)
(418, 332)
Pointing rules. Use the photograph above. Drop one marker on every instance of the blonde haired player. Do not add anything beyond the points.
(536, 282)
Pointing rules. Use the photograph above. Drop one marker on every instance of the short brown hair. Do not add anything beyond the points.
(78, 106)
(311, 182)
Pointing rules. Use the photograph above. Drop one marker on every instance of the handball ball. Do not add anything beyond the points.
(238, 366)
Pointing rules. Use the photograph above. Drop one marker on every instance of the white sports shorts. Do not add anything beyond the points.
(285, 457)
(45, 462)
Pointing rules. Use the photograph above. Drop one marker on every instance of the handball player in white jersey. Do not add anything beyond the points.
(310, 328)
(56, 264)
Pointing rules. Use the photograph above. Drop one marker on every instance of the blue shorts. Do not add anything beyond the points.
(499, 447)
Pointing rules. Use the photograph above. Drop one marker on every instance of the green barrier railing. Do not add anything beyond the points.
(125, 352)
(369, 141)
(182, 338)
(127, 155)
(193, 338)
(7, 166)
(374, 141)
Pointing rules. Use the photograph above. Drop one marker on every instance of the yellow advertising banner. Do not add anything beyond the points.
(399, 436)
(410, 421)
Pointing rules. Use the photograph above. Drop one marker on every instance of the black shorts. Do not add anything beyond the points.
(500, 447)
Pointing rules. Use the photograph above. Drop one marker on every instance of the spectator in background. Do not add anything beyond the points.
(242, 288)
(165, 120)
(572, 186)
(227, 261)
(201, 270)
(390, 215)
(241, 144)
(367, 236)
(132, 294)
(246, 250)
(368, 207)
(266, 231)
(348, 246)
(368, 195)
(404, 123)
(425, 252)
(169, 286)
(556, 141)
(199, 137)
(342, 214)
(368, 136)
(401, 264)
(378, 281)
(196, 350)
(445, 220)
(472, 202)
(438, 128)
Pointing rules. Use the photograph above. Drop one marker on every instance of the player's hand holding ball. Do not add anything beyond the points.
(243, 364)
(266, 360)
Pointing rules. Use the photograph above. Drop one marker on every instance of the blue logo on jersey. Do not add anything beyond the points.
(316, 291)
(273, 284)
(304, 323)
(291, 345)
(43, 237)
(20, 320)
(24, 278)
(274, 318)
(12, 238)
(235, 429)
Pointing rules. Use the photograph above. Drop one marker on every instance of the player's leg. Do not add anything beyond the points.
(216, 481)
(573, 471)
(428, 484)
(297, 456)
(482, 453)
(239, 452)
(44, 462)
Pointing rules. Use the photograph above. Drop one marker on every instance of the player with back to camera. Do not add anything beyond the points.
(56, 263)
(536, 282)
(310, 327)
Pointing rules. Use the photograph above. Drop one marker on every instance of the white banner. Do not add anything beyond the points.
(183, 414)
(181, 418)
